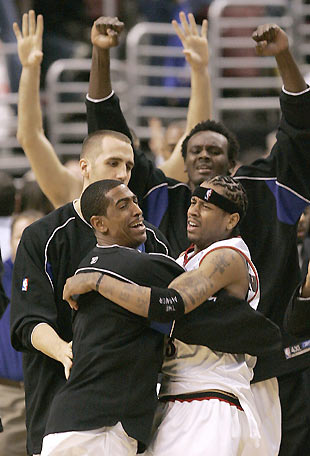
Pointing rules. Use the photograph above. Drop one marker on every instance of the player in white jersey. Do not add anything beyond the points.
(208, 406)
(207, 388)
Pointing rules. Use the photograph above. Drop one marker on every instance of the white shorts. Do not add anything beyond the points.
(197, 428)
(111, 441)
(267, 402)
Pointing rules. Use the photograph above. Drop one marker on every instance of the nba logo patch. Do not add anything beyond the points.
(25, 284)
(94, 260)
(208, 194)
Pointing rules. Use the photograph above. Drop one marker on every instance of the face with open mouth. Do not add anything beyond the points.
(206, 223)
(124, 220)
(207, 156)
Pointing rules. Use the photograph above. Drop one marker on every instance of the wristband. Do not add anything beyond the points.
(166, 304)
(98, 282)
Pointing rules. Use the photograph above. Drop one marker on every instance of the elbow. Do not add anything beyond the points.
(23, 139)
(28, 136)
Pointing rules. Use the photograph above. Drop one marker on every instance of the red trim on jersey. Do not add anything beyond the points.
(246, 258)
(232, 401)
(187, 251)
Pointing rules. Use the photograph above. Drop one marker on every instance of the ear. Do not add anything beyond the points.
(98, 222)
(85, 167)
(232, 221)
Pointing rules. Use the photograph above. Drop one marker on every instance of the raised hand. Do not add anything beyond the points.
(29, 40)
(195, 46)
(105, 32)
(270, 39)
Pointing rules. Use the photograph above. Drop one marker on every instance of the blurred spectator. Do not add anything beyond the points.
(163, 140)
(30, 196)
(7, 206)
(13, 438)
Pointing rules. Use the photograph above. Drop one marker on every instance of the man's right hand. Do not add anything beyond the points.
(29, 41)
(105, 32)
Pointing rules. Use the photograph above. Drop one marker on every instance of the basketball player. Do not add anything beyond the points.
(49, 252)
(200, 386)
(278, 191)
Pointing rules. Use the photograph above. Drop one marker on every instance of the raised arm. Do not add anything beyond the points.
(195, 49)
(271, 40)
(102, 114)
(221, 269)
(104, 35)
(58, 184)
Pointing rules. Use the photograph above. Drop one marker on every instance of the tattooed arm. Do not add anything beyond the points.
(221, 269)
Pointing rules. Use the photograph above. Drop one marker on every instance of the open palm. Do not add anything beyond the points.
(29, 40)
(195, 46)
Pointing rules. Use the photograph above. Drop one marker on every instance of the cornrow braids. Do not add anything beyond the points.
(233, 190)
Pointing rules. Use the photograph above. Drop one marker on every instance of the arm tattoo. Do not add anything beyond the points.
(128, 296)
(194, 289)
(221, 262)
(197, 286)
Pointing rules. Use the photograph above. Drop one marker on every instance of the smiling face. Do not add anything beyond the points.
(108, 158)
(207, 156)
(123, 222)
(207, 223)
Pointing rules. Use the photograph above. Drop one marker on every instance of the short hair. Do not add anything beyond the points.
(232, 190)
(7, 194)
(32, 197)
(94, 200)
(218, 127)
(93, 139)
(30, 214)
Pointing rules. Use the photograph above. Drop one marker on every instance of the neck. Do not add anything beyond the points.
(77, 206)
(106, 240)
(191, 186)
(199, 248)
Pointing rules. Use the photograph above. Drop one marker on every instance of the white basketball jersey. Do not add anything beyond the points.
(195, 368)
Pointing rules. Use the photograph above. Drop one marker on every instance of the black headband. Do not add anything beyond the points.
(210, 195)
